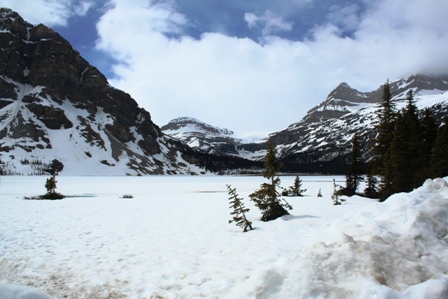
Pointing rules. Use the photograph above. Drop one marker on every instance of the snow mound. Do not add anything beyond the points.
(396, 249)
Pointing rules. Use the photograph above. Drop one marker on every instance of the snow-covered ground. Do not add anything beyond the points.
(173, 240)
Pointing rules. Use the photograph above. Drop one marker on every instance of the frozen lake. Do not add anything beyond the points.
(173, 240)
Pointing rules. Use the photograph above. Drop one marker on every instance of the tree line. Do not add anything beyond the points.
(409, 148)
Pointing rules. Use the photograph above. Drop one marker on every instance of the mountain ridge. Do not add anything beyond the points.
(320, 141)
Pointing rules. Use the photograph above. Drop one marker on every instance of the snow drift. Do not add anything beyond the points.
(397, 249)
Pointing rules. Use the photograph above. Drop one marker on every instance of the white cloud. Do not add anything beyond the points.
(269, 22)
(242, 85)
(41, 11)
(48, 12)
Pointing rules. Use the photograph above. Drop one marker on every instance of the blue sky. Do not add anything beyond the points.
(252, 66)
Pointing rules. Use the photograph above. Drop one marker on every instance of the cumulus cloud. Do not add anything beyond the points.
(48, 12)
(269, 22)
(246, 85)
(240, 84)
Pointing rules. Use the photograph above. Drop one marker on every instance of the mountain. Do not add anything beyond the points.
(209, 139)
(58, 113)
(321, 140)
(344, 99)
(202, 136)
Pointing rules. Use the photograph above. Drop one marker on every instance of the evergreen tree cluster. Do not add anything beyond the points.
(409, 147)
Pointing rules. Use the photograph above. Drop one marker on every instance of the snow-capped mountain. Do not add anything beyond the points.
(58, 113)
(213, 140)
(321, 140)
(202, 136)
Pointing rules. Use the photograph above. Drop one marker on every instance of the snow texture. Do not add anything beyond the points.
(173, 240)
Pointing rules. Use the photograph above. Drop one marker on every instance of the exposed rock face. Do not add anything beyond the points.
(55, 105)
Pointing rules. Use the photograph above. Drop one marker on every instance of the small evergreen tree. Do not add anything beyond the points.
(354, 169)
(267, 199)
(336, 194)
(239, 210)
(296, 189)
(50, 185)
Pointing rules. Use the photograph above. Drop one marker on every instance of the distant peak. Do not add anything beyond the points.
(343, 85)
(179, 122)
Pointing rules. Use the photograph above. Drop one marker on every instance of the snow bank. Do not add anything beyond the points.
(397, 249)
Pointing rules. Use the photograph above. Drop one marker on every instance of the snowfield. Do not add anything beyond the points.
(173, 240)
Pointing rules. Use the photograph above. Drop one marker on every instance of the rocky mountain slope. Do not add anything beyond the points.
(58, 113)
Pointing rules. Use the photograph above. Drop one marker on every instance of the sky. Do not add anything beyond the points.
(252, 66)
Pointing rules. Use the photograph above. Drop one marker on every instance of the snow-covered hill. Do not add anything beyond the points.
(58, 113)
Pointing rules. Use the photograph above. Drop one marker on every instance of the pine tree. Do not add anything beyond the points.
(239, 210)
(380, 162)
(50, 185)
(399, 156)
(354, 168)
(337, 200)
(267, 199)
(295, 189)
(439, 157)
(429, 134)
